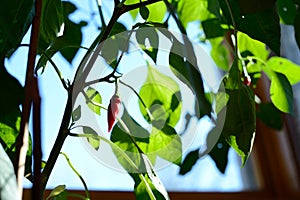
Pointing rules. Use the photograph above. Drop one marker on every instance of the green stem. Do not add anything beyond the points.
(140, 98)
(77, 173)
(265, 67)
(124, 155)
(113, 145)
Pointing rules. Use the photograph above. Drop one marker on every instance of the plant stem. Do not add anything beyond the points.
(62, 135)
(30, 83)
(77, 173)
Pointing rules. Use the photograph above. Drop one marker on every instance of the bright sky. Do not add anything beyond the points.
(203, 177)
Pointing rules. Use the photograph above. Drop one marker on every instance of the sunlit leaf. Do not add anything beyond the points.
(158, 93)
(121, 138)
(219, 53)
(94, 100)
(157, 10)
(57, 191)
(94, 142)
(9, 130)
(149, 181)
(166, 143)
(192, 10)
(257, 48)
(286, 67)
(281, 93)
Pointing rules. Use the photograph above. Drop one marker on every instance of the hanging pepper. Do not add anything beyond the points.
(113, 110)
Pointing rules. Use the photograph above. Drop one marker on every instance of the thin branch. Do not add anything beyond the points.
(77, 173)
(234, 26)
(103, 25)
(140, 98)
(173, 13)
(52, 63)
(62, 80)
(37, 149)
(22, 139)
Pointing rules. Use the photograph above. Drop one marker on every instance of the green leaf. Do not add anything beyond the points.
(117, 28)
(286, 67)
(9, 131)
(166, 143)
(281, 93)
(148, 34)
(183, 64)
(121, 138)
(144, 12)
(52, 19)
(159, 93)
(247, 44)
(259, 22)
(192, 10)
(15, 20)
(58, 190)
(156, 187)
(270, 115)
(12, 92)
(94, 100)
(240, 121)
(67, 44)
(76, 114)
(212, 28)
(95, 143)
(189, 161)
(157, 10)
(219, 53)
(287, 11)
(219, 154)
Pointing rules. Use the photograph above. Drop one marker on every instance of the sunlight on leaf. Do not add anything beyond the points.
(95, 143)
(57, 191)
(286, 67)
(166, 143)
(158, 94)
(281, 93)
(94, 99)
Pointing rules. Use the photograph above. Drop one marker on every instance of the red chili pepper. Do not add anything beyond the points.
(113, 110)
(247, 81)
